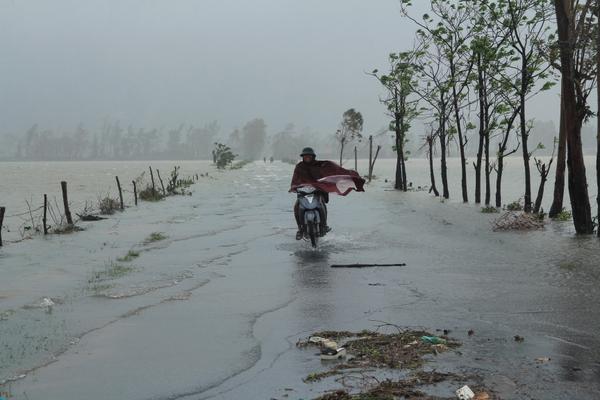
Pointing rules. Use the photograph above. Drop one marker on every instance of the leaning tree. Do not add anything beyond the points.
(577, 25)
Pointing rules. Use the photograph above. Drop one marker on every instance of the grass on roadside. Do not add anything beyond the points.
(155, 237)
(111, 271)
(130, 256)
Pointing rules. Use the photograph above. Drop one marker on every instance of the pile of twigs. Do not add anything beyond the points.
(517, 221)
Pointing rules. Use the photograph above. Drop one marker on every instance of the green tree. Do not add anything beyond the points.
(350, 129)
(449, 26)
(222, 155)
(525, 25)
(577, 23)
(399, 84)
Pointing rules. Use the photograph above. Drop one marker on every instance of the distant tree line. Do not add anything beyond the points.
(113, 141)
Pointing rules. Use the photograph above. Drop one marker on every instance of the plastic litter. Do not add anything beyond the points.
(323, 342)
(542, 360)
(433, 340)
(333, 354)
(46, 302)
(465, 393)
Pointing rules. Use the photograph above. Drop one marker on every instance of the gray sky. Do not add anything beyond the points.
(159, 62)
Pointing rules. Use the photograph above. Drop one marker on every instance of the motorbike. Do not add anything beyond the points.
(311, 206)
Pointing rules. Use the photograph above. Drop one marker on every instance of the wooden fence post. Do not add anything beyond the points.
(120, 193)
(134, 192)
(375, 159)
(152, 178)
(161, 182)
(370, 157)
(44, 220)
(2, 209)
(63, 186)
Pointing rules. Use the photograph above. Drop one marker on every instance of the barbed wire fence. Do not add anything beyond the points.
(50, 216)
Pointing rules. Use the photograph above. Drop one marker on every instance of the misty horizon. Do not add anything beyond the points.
(157, 64)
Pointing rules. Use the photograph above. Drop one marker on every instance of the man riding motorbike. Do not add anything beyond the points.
(326, 177)
(309, 169)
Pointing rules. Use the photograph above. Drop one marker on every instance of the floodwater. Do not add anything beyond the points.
(214, 309)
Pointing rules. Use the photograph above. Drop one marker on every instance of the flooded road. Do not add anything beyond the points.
(213, 306)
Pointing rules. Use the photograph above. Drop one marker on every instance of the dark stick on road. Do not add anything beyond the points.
(2, 209)
(367, 265)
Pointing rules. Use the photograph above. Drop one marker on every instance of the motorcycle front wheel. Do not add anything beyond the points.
(313, 234)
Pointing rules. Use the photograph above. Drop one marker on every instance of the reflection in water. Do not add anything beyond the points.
(313, 270)
(312, 277)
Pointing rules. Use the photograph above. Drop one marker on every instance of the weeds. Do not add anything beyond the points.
(240, 164)
(65, 229)
(150, 194)
(514, 206)
(489, 210)
(130, 256)
(108, 205)
(564, 215)
(111, 271)
(155, 237)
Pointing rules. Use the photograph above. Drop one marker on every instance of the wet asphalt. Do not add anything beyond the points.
(214, 311)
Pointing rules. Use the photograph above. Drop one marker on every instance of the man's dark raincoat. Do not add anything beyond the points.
(327, 177)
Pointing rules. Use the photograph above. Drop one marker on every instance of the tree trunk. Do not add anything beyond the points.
(341, 151)
(461, 140)
(481, 133)
(398, 184)
(526, 155)
(478, 170)
(561, 165)
(502, 154)
(499, 181)
(403, 162)
(540, 194)
(488, 190)
(598, 121)
(400, 172)
(431, 173)
(446, 193)
(577, 181)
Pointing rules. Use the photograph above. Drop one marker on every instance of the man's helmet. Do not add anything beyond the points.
(308, 151)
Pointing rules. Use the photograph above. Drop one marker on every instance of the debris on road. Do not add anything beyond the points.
(433, 340)
(333, 354)
(517, 221)
(465, 393)
(367, 265)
